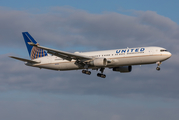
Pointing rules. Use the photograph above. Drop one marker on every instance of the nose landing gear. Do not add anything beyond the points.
(158, 67)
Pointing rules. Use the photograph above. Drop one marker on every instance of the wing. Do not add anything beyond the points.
(24, 60)
(65, 55)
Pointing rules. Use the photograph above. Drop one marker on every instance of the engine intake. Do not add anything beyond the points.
(99, 62)
(123, 69)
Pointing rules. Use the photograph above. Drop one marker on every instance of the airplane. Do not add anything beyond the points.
(119, 60)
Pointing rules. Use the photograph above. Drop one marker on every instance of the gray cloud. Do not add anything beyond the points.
(95, 31)
(64, 27)
(80, 108)
(68, 28)
(144, 80)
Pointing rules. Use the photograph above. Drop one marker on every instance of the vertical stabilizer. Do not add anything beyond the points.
(34, 52)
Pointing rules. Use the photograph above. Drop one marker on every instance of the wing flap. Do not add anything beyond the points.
(24, 60)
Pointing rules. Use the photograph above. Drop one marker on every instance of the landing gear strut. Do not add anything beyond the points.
(86, 71)
(158, 66)
(101, 74)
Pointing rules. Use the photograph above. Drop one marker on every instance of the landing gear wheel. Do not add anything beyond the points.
(86, 72)
(101, 75)
(158, 68)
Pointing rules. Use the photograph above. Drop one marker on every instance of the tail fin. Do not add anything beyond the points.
(34, 52)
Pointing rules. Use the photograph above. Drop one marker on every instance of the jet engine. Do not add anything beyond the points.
(99, 62)
(123, 69)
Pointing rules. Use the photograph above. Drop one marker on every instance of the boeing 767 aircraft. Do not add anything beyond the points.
(120, 60)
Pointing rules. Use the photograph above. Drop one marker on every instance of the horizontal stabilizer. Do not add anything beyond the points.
(24, 60)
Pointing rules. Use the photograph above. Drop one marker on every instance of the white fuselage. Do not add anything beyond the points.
(116, 58)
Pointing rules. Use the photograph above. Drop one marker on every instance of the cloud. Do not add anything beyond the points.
(68, 27)
(142, 81)
(45, 106)
(143, 93)
(95, 31)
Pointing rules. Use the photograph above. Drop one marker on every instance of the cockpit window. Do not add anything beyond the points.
(163, 50)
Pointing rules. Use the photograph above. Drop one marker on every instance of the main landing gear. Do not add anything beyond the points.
(158, 66)
(86, 72)
(89, 73)
(101, 74)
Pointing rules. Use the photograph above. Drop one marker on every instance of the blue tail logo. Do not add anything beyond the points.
(34, 52)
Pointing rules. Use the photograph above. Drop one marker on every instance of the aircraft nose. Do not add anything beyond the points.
(169, 54)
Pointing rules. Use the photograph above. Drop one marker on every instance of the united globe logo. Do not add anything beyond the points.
(37, 53)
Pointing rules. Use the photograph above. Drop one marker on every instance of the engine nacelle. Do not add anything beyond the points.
(123, 69)
(99, 62)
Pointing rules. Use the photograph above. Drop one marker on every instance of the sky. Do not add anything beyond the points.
(76, 25)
